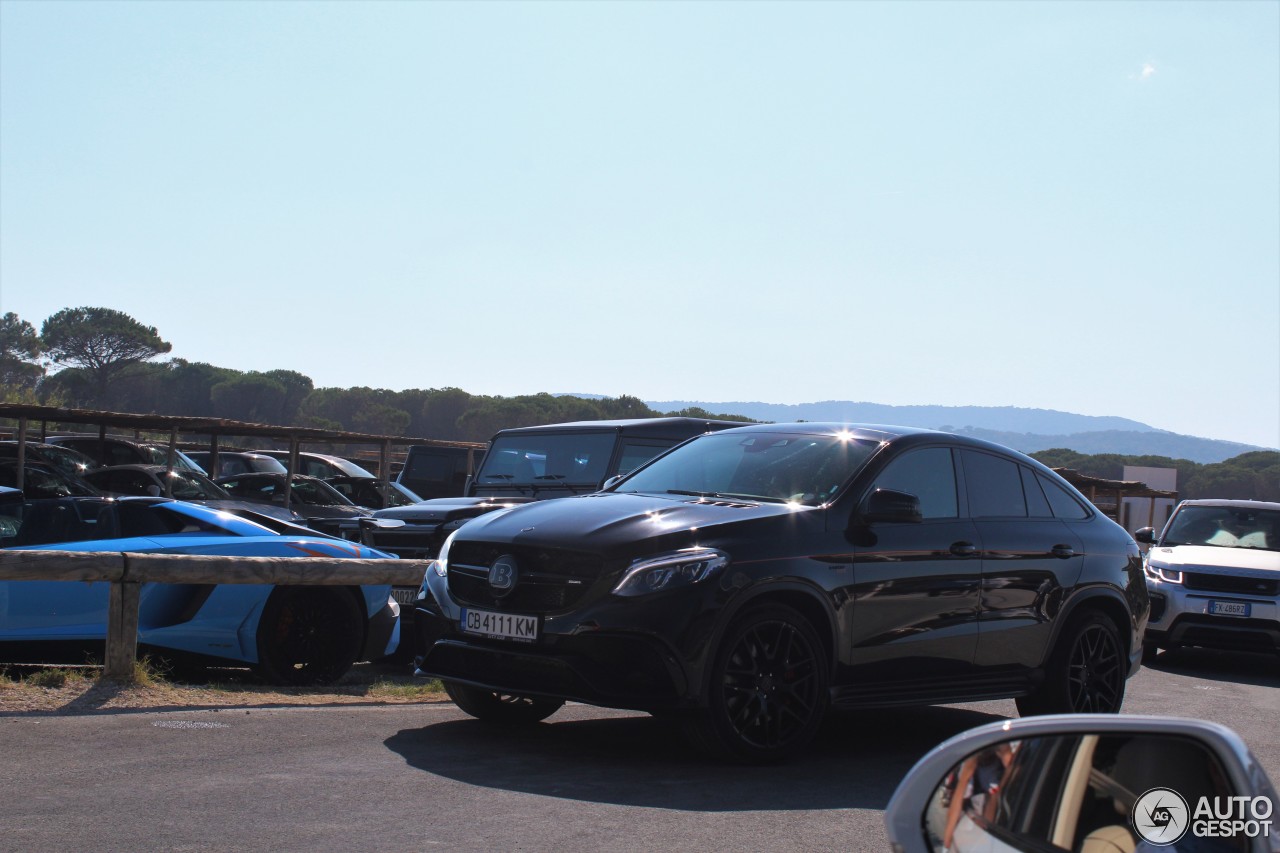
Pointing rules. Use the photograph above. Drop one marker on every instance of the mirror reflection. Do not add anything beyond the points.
(1083, 794)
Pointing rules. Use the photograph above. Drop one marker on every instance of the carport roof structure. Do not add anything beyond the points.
(214, 428)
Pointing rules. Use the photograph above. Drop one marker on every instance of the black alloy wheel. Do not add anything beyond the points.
(502, 708)
(1086, 672)
(768, 688)
(308, 635)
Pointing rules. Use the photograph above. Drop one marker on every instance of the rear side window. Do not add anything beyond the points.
(1065, 506)
(994, 486)
(1037, 505)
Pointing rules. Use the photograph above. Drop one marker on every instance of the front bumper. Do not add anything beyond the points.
(1183, 617)
(619, 653)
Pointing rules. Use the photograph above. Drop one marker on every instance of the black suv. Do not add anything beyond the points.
(751, 578)
(528, 464)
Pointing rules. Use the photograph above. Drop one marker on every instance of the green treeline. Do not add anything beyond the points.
(1249, 476)
(100, 358)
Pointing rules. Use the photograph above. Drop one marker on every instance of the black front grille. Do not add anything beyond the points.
(1237, 584)
(548, 580)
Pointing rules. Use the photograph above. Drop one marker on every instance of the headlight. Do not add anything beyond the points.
(1155, 571)
(440, 565)
(668, 571)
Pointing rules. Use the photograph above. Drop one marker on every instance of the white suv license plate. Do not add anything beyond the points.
(502, 626)
(1229, 608)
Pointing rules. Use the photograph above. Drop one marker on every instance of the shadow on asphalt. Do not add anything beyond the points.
(1261, 670)
(857, 761)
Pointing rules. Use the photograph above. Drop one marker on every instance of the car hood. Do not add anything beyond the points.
(1196, 558)
(447, 509)
(627, 525)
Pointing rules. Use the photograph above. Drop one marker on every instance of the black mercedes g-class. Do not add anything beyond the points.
(528, 464)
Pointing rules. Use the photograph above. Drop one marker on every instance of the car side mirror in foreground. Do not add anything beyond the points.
(1145, 535)
(1087, 783)
(887, 505)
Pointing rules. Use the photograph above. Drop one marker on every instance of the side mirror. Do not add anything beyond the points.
(1086, 782)
(611, 482)
(1145, 535)
(886, 505)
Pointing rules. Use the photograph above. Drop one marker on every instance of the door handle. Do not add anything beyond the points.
(1063, 551)
(963, 549)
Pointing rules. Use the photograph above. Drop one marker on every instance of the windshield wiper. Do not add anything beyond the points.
(550, 477)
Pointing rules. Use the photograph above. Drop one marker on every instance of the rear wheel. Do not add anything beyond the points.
(1086, 671)
(505, 708)
(308, 635)
(768, 688)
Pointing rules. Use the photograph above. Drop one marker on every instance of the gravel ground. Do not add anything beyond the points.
(366, 684)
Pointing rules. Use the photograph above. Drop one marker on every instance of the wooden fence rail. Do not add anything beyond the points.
(127, 571)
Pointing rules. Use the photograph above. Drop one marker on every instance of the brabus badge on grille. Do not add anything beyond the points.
(503, 575)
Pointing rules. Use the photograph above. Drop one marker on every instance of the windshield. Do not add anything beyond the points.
(1224, 527)
(547, 459)
(781, 467)
(189, 486)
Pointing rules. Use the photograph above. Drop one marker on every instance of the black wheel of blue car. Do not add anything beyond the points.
(504, 708)
(1086, 671)
(308, 635)
(768, 688)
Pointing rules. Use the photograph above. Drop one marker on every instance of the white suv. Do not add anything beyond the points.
(1214, 577)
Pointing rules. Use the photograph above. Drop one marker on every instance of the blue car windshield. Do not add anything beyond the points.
(777, 467)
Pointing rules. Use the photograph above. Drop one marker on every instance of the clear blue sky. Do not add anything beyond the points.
(1072, 205)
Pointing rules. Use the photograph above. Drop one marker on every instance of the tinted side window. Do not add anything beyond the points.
(1037, 506)
(634, 455)
(994, 486)
(1064, 505)
(929, 474)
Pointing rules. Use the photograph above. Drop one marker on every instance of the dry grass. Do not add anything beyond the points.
(79, 690)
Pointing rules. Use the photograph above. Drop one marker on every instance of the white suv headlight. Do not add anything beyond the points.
(668, 571)
(1156, 571)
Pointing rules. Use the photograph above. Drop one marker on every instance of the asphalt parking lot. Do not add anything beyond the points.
(423, 777)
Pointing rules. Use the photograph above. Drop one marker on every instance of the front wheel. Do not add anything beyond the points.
(768, 688)
(1085, 674)
(503, 708)
(308, 635)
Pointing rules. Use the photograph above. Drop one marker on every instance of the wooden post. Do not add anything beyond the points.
(293, 469)
(122, 632)
(22, 453)
(384, 471)
(169, 460)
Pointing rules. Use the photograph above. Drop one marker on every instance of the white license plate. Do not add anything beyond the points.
(502, 626)
(1229, 608)
(404, 594)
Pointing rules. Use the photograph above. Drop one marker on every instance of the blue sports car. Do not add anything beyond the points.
(289, 634)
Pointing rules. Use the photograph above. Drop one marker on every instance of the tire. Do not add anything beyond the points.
(767, 691)
(1086, 671)
(308, 635)
(501, 708)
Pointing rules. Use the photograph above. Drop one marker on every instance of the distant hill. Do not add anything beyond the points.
(1027, 430)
